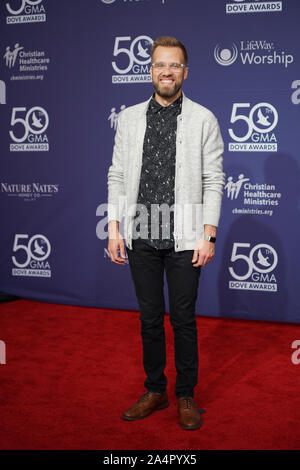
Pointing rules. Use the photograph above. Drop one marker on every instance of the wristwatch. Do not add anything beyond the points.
(209, 238)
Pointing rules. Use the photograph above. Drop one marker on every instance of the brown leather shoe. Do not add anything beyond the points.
(189, 415)
(145, 405)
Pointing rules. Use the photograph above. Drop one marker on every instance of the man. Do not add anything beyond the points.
(167, 153)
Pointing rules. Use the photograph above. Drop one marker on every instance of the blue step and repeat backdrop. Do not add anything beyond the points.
(68, 68)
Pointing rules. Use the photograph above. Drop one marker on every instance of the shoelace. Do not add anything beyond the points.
(143, 397)
(188, 403)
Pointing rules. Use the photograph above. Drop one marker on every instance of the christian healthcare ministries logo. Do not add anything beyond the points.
(113, 117)
(32, 256)
(260, 122)
(20, 61)
(133, 61)
(35, 124)
(30, 11)
(252, 198)
(256, 6)
(254, 271)
(253, 52)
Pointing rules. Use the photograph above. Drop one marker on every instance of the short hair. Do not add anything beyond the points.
(169, 41)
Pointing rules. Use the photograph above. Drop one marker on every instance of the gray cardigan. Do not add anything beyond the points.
(199, 177)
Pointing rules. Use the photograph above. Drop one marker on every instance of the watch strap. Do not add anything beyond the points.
(209, 238)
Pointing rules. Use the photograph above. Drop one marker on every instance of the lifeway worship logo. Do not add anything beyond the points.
(257, 6)
(253, 52)
(32, 257)
(34, 124)
(24, 61)
(29, 191)
(255, 267)
(30, 11)
(261, 119)
(132, 62)
(257, 199)
(113, 117)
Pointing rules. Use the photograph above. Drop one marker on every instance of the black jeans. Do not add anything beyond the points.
(147, 266)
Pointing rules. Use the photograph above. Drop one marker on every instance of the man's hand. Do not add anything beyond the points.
(116, 243)
(203, 253)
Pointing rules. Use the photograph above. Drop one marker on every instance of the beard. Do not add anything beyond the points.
(167, 91)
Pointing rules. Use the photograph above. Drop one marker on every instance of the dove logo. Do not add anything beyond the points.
(2, 92)
(34, 125)
(32, 256)
(225, 56)
(30, 11)
(142, 52)
(256, 270)
(255, 6)
(2, 352)
(36, 122)
(133, 62)
(296, 94)
(261, 120)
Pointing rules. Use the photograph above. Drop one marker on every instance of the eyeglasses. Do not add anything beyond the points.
(162, 65)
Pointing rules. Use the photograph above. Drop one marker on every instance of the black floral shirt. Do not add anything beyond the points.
(158, 173)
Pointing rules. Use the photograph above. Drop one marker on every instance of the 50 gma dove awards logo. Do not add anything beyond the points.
(32, 256)
(30, 11)
(256, 6)
(259, 121)
(33, 126)
(255, 270)
(133, 57)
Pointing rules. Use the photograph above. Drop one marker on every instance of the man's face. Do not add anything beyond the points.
(166, 81)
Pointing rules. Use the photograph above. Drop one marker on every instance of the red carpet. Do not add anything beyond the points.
(70, 373)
